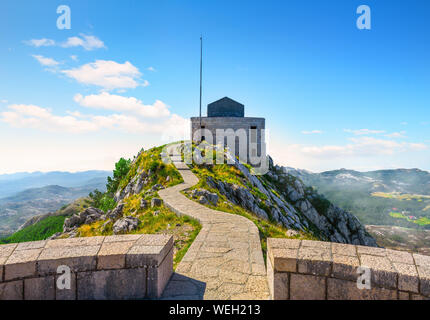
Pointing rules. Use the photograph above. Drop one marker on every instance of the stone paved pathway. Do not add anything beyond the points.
(225, 260)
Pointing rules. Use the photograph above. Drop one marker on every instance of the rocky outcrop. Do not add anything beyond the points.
(87, 216)
(125, 225)
(284, 198)
(205, 196)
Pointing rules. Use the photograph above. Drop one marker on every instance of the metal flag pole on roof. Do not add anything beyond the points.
(201, 67)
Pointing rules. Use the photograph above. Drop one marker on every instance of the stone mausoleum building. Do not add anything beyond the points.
(226, 124)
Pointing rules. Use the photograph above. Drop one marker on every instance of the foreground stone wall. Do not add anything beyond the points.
(112, 267)
(314, 270)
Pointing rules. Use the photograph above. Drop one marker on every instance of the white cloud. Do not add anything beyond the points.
(40, 42)
(3, 101)
(151, 69)
(74, 57)
(30, 116)
(360, 132)
(106, 74)
(113, 102)
(312, 132)
(400, 134)
(87, 42)
(47, 62)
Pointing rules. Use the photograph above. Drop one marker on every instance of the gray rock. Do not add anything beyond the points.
(87, 216)
(116, 213)
(144, 204)
(156, 202)
(125, 225)
(203, 200)
(209, 196)
(292, 233)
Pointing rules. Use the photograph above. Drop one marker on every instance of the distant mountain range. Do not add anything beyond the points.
(11, 184)
(386, 198)
(54, 190)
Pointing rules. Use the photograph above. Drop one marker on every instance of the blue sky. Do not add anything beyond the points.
(126, 76)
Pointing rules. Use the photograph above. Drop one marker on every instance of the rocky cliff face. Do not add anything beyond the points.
(283, 198)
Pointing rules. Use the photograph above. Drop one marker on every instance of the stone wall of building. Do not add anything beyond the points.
(235, 123)
(313, 270)
(111, 267)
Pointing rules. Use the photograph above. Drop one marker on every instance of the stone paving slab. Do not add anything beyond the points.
(225, 260)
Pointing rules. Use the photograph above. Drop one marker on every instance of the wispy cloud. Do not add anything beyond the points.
(401, 134)
(88, 42)
(151, 69)
(85, 41)
(312, 132)
(109, 75)
(74, 58)
(361, 132)
(44, 61)
(40, 42)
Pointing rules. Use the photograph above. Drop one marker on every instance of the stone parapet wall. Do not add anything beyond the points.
(112, 267)
(314, 270)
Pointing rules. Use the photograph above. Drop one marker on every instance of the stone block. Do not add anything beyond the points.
(123, 237)
(79, 258)
(403, 257)
(371, 251)
(408, 277)
(316, 244)
(31, 245)
(112, 255)
(382, 272)
(39, 288)
(283, 243)
(11, 290)
(347, 290)
(307, 287)
(314, 260)
(419, 297)
(284, 259)
(424, 274)
(280, 286)
(343, 249)
(65, 293)
(421, 260)
(158, 276)
(7, 249)
(403, 295)
(75, 242)
(345, 267)
(149, 250)
(124, 284)
(21, 264)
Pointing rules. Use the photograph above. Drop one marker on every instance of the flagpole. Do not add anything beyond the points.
(201, 67)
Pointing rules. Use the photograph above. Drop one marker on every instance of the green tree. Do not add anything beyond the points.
(122, 167)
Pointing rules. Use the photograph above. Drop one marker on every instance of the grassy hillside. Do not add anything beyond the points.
(39, 231)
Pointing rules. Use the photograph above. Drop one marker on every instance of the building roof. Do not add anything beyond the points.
(226, 107)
